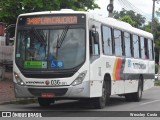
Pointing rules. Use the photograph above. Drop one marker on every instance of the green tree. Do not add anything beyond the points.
(137, 18)
(127, 19)
(158, 12)
(10, 9)
(147, 27)
(156, 34)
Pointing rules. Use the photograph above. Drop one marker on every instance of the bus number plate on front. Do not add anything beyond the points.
(57, 82)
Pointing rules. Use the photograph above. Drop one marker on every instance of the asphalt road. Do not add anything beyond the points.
(150, 103)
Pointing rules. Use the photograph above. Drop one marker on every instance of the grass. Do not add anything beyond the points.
(157, 83)
(24, 101)
(21, 101)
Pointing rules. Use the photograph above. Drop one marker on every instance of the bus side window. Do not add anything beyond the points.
(127, 44)
(136, 46)
(118, 42)
(142, 48)
(107, 40)
(94, 43)
(131, 45)
(146, 48)
(123, 44)
(140, 55)
(150, 49)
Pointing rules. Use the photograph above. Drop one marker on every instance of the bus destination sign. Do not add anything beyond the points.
(51, 20)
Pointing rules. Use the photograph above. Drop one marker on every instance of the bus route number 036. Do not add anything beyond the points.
(57, 82)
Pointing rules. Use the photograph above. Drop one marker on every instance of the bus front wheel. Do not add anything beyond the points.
(100, 102)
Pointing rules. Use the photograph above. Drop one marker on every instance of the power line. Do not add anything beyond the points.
(123, 5)
(132, 7)
(135, 8)
(129, 6)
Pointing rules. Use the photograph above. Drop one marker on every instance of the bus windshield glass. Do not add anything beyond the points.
(50, 47)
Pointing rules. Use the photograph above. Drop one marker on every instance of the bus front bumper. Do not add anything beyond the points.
(78, 91)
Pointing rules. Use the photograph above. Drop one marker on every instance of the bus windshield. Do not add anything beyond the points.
(54, 48)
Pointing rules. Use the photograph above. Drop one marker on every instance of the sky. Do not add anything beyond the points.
(144, 7)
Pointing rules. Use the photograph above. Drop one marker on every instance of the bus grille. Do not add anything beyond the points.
(56, 92)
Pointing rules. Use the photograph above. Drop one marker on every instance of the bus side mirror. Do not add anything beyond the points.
(7, 38)
(10, 33)
(95, 37)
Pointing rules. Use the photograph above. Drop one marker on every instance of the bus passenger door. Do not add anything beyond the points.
(95, 65)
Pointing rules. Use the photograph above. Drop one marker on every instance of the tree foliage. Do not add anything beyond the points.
(137, 18)
(156, 34)
(10, 9)
(127, 19)
(158, 12)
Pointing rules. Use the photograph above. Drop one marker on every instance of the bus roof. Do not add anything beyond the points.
(62, 11)
(104, 20)
(120, 25)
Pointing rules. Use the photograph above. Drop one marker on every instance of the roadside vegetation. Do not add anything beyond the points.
(157, 83)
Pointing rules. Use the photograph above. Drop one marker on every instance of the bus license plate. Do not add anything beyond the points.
(47, 95)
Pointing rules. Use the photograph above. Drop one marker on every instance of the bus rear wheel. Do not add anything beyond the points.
(137, 96)
(45, 101)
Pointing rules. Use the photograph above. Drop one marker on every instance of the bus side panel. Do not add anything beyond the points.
(98, 69)
(151, 67)
(134, 68)
(132, 75)
(117, 87)
(131, 86)
(96, 78)
(149, 82)
(113, 66)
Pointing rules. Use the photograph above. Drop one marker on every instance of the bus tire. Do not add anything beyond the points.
(100, 102)
(128, 97)
(138, 95)
(45, 101)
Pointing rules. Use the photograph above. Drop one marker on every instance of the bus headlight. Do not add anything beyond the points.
(80, 78)
(18, 79)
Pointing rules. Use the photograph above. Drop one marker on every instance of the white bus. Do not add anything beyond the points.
(79, 55)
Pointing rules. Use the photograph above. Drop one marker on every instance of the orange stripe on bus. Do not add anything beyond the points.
(118, 69)
(114, 69)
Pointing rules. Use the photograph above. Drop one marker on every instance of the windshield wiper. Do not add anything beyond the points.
(61, 39)
(40, 37)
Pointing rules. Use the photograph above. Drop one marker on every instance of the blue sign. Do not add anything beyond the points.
(57, 64)
(129, 63)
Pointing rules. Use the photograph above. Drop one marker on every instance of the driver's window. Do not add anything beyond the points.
(94, 43)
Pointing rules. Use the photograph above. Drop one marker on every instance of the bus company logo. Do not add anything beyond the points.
(129, 63)
(34, 82)
(139, 66)
(47, 82)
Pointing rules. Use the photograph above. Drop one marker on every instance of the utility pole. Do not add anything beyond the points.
(153, 12)
(152, 30)
(110, 8)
